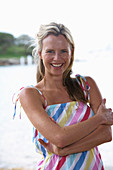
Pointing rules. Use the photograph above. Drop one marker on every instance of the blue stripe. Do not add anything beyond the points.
(51, 109)
(43, 151)
(70, 161)
(42, 148)
(33, 134)
(80, 161)
(59, 111)
(40, 136)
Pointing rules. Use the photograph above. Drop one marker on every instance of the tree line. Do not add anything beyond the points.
(14, 47)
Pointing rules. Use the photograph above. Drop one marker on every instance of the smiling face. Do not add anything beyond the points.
(56, 54)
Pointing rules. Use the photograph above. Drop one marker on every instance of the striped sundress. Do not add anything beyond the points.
(66, 114)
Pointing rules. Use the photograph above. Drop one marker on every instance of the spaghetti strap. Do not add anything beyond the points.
(15, 100)
(37, 89)
(81, 79)
(41, 95)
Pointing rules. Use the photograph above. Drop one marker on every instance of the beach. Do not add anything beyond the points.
(17, 151)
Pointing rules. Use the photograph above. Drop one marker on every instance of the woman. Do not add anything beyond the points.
(69, 115)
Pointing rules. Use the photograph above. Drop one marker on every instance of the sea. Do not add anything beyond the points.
(17, 149)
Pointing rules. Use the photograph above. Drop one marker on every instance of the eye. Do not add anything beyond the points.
(50, 51)
(64, 51)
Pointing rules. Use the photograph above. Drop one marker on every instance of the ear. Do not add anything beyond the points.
(40, 54)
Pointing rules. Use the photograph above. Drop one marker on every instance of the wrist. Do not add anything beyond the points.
(60, 152)
(57, 151)
(100, 119)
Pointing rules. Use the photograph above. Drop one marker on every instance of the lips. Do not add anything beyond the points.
(57, 65)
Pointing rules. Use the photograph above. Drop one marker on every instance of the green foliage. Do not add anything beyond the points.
(14, 47)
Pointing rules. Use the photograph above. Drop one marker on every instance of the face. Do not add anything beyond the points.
(56, 54)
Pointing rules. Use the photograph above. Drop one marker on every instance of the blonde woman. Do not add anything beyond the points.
(69, 114)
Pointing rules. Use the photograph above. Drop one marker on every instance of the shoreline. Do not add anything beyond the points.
(9, 61)
(16, 61)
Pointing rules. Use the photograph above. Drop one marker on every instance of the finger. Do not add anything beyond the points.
(110, 109)
(104, 101)
(42, 143)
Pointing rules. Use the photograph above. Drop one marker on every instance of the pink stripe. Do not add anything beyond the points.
(60, 163)
(77, 114)
(97, 159)
(40, 163)
(102, 168)
(86, 114)
(52, 162)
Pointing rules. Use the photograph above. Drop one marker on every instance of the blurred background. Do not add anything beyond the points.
(90, 23)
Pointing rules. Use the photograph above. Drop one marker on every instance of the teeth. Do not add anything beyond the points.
(57, 65)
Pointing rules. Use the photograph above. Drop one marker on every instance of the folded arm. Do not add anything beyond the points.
(55, 134)
(99, 136)
(33, 106)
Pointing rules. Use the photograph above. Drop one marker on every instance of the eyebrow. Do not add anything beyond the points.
(53, 49)
(49, 49)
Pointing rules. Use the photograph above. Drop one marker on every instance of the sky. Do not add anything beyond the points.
(90, 21)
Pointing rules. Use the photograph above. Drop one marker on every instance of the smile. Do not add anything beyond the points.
(57, 65)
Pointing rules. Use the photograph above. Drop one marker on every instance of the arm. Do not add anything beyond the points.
(99, 136)
(58, 136)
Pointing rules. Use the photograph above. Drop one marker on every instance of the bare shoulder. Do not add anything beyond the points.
(27, 92)
(30, 95)
(95, 94)
(90, 81)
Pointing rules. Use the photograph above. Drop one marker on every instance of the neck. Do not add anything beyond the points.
(53, 82)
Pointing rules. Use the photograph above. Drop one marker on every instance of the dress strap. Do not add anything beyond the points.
(41, 95)
(84, 85)
(15, 100)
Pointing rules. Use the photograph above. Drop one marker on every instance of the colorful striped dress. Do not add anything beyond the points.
(66, 114)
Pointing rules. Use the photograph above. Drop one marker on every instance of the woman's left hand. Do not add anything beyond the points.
(50, 147)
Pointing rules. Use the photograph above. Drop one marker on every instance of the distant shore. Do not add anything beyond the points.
(9, 61)
(12, 61)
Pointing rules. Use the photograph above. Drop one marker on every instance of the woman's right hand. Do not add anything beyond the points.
(107, 114)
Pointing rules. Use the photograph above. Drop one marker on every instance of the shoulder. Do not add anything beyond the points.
(85, 79)
(92, 84)
(30, 95)
(90, 81)
(95, 94)
(27, 91)
(89, 85)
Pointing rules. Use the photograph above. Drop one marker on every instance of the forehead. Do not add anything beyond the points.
(52, 41)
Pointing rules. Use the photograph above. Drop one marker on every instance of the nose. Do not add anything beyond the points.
(57, 56)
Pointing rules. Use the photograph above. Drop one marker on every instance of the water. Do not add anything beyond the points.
(16, 147)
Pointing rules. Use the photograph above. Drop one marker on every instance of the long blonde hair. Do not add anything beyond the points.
(53, 28)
